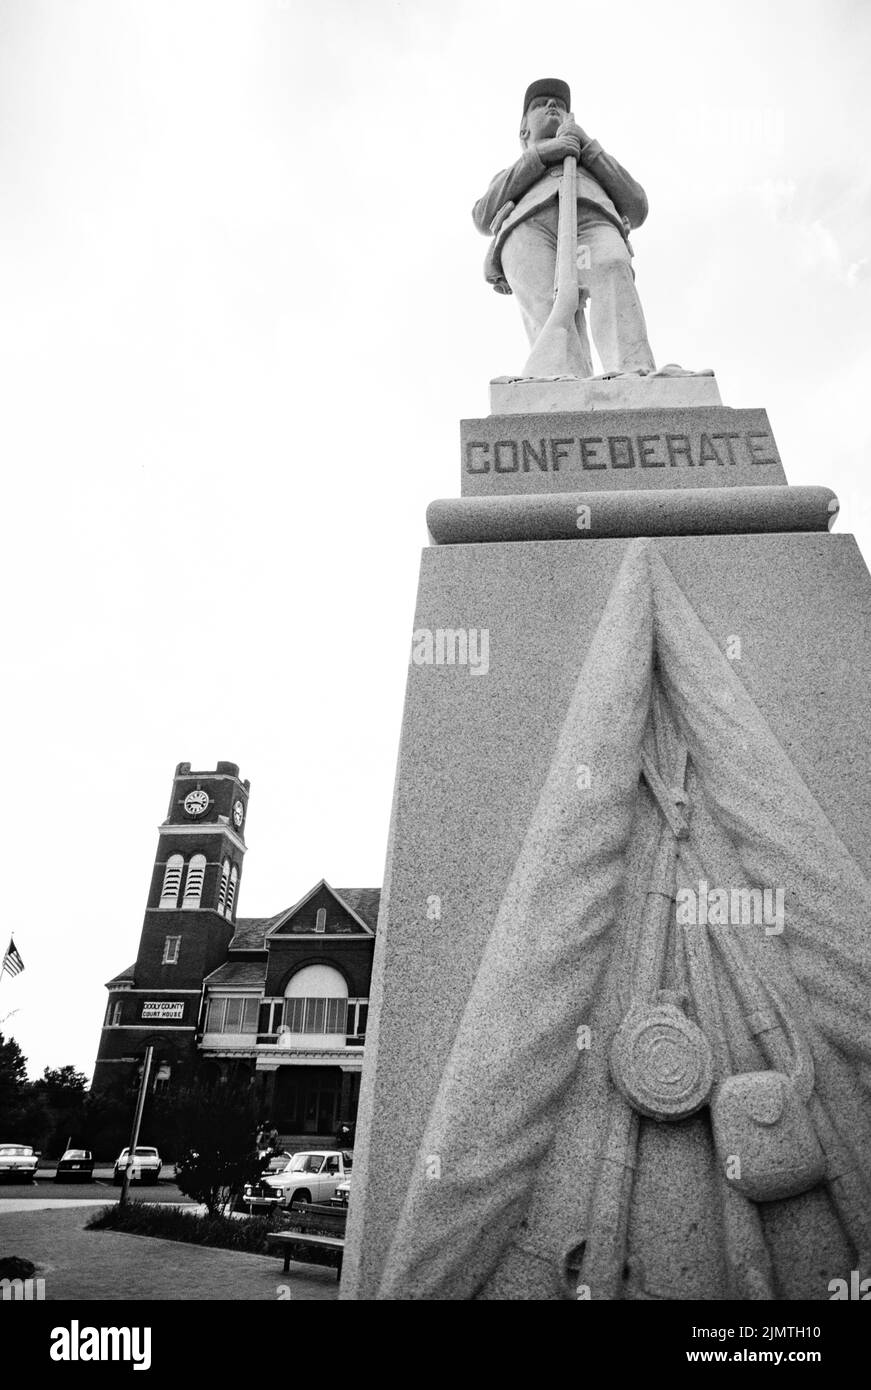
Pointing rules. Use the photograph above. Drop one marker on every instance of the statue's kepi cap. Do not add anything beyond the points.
(548, 87)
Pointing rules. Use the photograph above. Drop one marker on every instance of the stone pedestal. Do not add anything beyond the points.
(512, 608)
(525, 395)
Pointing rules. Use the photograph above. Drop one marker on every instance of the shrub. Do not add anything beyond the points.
(216, 1140)
(171, 1223)
(215, 1176)
(13, 1267)
(228, 1233)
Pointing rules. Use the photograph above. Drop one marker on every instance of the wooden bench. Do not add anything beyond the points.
(304, 1215)
(284, 1241)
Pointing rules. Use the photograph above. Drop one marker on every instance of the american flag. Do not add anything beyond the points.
(12, 962)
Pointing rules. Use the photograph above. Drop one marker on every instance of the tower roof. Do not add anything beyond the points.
(126, 977)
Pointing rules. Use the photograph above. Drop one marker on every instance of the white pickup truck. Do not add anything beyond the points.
(311, 1176)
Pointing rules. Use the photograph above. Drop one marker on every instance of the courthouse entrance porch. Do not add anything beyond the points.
(314, 1100)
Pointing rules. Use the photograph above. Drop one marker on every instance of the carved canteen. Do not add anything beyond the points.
(661, 1062)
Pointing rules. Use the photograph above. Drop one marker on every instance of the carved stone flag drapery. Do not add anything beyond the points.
(527, 1120)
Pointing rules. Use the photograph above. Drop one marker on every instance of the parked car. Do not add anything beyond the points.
(342, 1194)
(271, 1161)
(146, 1164)
(310, 1176)
(76, 1165)
(18, 1162)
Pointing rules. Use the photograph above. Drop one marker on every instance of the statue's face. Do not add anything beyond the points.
(544, 116)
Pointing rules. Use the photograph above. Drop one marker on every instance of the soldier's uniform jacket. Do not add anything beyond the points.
(518, 192)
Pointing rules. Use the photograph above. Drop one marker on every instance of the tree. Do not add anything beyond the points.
(217, 1132)
(63, 1092)
(26, 1118)
(105, 1121)
(63, 1086)
(13, 1075)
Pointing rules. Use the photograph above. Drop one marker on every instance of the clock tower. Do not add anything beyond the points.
(189, 921)
(195, 882)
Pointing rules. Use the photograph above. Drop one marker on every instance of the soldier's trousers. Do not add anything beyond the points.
(606, 280)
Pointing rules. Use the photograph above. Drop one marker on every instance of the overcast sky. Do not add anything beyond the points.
(242, 315)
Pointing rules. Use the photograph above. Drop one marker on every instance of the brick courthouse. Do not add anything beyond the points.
(283, 1000)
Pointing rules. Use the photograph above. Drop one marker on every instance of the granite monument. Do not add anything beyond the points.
(620, 1040)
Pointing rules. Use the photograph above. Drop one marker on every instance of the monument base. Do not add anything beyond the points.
(468, 1183)
(532, 395)
(639, 670)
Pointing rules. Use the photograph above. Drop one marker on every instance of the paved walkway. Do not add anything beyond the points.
(106, 1265)
(16, 1204)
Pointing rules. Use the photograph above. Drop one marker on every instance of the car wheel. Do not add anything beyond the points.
(303, 1196)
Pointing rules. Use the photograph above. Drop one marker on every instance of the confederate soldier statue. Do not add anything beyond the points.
(520, 211)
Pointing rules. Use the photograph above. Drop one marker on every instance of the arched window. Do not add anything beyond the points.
(171, 881)
(321, 920)
(231, 890)
(113, 1013)
(193, 890)
(316, 1001)
(222, 891)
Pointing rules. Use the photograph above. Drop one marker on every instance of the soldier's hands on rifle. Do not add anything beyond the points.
(554, 151)
(571, 130)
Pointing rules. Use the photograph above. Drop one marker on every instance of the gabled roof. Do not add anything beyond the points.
(362, 903)
(322, 883)
(127, 977)
(238, 974)
(250, 932)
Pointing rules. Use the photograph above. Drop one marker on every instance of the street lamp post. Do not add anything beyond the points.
(137, 1121)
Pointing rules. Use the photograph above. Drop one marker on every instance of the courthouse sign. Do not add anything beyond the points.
(158, 1008)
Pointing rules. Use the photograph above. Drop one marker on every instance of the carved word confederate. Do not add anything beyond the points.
(589, 452)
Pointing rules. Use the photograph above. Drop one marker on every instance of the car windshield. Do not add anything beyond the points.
(306, 1163)
(76, 1153)
(15, 1150)
(146, 1153)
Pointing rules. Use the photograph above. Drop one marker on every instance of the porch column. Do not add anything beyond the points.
(267, 1093)
(345, 1098)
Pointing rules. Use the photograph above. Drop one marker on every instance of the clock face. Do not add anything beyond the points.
(195, 803)
(238, 813)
